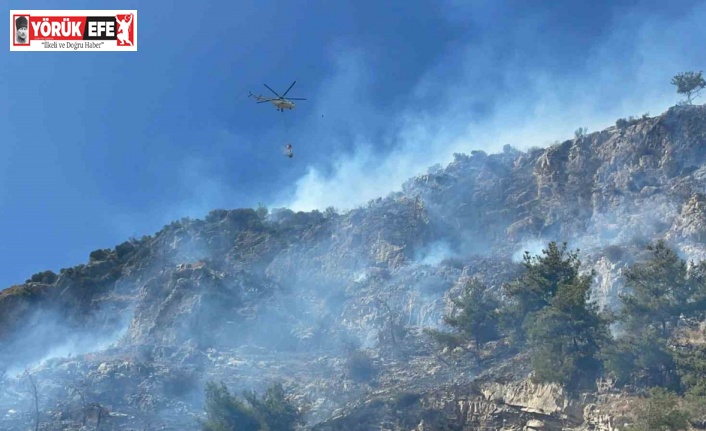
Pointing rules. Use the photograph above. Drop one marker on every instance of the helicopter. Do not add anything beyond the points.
(280, 102)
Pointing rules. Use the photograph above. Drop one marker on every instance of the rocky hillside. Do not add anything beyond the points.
(252, 296)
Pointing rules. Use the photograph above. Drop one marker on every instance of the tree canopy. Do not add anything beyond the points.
(689, 84)
(564, 329)
(659, 291)
(477, 317)
(535, 288)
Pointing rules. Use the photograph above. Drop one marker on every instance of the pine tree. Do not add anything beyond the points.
(565, 337)
(691, 367)
(477, 318)
(658, 292)
(643, 359)
(661, 292)
(551, 310)
(537, 286)
(689, 83)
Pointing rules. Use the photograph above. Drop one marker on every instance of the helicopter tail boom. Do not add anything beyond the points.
(258, 97)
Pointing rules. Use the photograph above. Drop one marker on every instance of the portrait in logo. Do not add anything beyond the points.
(125, 35)
(21, 30)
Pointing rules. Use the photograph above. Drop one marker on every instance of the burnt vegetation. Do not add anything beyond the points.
(546, 313)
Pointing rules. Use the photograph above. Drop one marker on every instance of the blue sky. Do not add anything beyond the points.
(97, 147)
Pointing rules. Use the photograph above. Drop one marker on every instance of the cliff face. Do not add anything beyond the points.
(605, 192)
(579, 186)
(247, 296)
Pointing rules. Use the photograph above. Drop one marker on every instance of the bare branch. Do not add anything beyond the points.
(36, 398)
(101, 412)
(80, 392)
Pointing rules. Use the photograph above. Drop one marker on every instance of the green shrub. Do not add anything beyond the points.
(691, 366)
(275, 410)
(99, 255)
(216, 215)
(46, 277)
(124, 249)
(272, 412)
(446, 339)
(580, 132)
(226, 412)
(660, 412)
(262, 211)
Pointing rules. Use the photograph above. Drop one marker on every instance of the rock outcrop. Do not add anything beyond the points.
(247, 297)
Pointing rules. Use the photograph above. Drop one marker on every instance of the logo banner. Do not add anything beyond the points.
(73, 30)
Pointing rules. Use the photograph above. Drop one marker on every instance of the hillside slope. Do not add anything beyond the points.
(248, 296)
